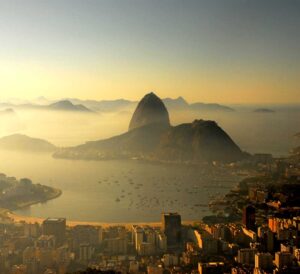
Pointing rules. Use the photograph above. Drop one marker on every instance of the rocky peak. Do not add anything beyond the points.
(150, 110)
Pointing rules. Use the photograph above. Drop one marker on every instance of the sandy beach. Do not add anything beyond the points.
(26, 219)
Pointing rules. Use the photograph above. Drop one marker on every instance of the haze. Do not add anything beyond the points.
(233, 51)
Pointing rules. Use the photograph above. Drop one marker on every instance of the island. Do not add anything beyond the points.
(16, 194)
(264, 110)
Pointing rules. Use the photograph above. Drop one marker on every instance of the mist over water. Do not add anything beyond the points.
(253, 132)
(91, 189)
(123, 191)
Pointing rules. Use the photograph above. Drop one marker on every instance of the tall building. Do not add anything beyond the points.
(246, 256)
(171, 225)
(212, 267)
(283, 259)
(56, 227)
(138, 236)
(85, 252)
(206, 242)
(263, 261)
(46, 241)
(249, 217)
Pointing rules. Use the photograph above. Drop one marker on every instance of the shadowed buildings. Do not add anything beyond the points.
(171, 226)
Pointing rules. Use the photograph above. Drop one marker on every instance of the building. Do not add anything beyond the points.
(138, 236)
(155, 270)
(46, 241)
(146, 249)
(56, 227)
(246, 256)
(134, 267)
(85, 234)
(211, 268)
(207, 243)
(170, 260)
(283, 259)
(249, 217)
(31, 230)
(264, 261)
(85, 252)
(115, 246)
(171, 225)
(266, 237)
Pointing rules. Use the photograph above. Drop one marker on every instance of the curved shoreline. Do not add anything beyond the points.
(55, 194)
(30, 220)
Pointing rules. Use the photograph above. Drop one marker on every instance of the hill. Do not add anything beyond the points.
(25, 143)
(198, 141)
(66, 105)
(150, 110)
(209, 107)
(151, 136)
(177, 104)
(138, 142)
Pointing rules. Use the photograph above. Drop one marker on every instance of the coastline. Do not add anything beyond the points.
(54, 194)
(11, 216)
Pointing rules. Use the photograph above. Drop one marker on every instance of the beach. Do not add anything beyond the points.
(8, 215)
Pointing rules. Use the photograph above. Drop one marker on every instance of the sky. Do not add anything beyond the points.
(224, 51)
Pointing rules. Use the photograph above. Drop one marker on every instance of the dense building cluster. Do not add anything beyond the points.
(55, 248)
(263, 238)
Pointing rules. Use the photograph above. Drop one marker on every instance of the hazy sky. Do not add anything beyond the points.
(226, 51)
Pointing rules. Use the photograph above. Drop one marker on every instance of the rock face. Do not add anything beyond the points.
(150, 110)
(198, 141)
(151, 136)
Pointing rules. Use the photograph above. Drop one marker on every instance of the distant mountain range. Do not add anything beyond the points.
(74, 104)
(172, 104)
(151, 136)
(64, 105)
(20, 142)
(120, 105)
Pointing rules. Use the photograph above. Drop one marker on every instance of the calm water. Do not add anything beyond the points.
(116, 191)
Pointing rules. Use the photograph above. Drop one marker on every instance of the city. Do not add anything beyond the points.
(264, 238)
(149, 137)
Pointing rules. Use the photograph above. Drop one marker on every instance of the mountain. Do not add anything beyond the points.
(264, 110)
(178, 104)
(66, 105)
(150, 110)
(63, 105)
(105, 105)
(151, 136)
(171, 104)
(135, 143)
(25, 143)
(42, 103)
(209, 107)
(200, 140)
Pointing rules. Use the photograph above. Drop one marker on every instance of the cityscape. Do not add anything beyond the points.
(149, 137)
(258, 232)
